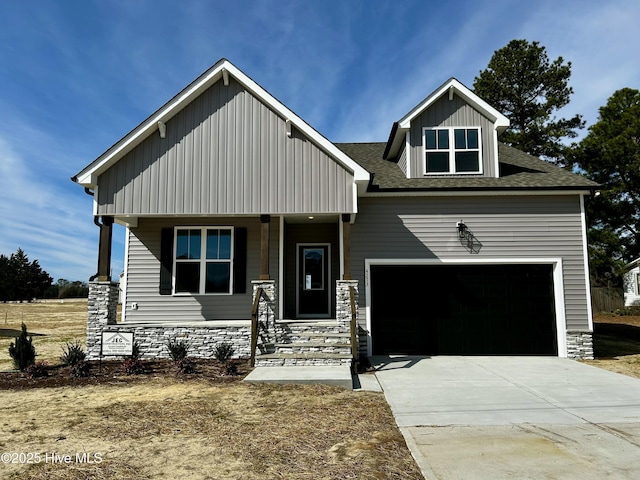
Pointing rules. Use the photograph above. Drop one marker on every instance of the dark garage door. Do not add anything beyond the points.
(463, 310)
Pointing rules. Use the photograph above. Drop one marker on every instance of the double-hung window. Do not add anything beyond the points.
(451, 150)
(203, 260)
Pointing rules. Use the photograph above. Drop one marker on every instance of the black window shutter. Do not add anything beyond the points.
(240, 261)
(166, 260)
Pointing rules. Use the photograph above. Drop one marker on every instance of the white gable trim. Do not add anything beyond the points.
(221, 70)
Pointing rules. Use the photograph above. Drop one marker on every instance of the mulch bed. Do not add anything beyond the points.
(112, 373)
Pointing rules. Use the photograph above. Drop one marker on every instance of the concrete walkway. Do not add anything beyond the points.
(514, 417)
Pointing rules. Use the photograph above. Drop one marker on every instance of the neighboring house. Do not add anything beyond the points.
(631, 281)
(453, 242)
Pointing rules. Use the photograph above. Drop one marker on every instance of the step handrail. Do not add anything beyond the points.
(254, 326)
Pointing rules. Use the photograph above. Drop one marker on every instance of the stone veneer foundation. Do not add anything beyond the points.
(580, 344)
(153, 338)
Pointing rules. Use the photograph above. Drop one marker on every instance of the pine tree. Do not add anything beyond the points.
(610, 155)
(524, 85)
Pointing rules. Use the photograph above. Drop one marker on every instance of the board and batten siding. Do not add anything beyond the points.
(451, 113)
(143, 275)
(507, 226)
(226, 153)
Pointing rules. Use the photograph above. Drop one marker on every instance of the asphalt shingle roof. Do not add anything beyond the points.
(518, 171)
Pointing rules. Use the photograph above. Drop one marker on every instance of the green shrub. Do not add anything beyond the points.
(223, 352)
(37, 370)
(178, 349)
(633, 310)
(22, 350)
(73, 354)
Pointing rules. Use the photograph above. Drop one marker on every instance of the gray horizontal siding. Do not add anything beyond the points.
(225, 153)
(507, 227)
(143, 275)
(451, 113)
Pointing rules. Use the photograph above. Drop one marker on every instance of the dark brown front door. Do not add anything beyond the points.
(314, 279)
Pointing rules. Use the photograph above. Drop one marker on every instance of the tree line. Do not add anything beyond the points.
(24, 280)
(527, 87)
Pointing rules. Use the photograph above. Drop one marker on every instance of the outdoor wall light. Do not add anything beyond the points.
(462, 229)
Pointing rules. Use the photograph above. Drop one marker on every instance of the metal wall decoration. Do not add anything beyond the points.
(467, 239)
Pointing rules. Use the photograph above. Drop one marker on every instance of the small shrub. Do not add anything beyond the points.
(22, 350)
(178, 349)
(230, 368)
(185, 365)
(80, 369)
(133, 366)
(223, 352)
(73, 354)
(37, 370)
(632, 310)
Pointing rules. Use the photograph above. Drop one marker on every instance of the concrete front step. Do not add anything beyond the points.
(337, 375)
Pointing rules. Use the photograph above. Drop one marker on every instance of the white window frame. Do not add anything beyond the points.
(203, 261)
(452, 150)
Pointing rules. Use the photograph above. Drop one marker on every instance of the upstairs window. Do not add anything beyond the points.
(203, 260)
(452, 150)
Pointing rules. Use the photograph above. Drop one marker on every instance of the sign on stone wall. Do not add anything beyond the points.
(117, 343)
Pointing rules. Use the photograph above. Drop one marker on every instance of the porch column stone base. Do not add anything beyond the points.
(580, 344)
(343, 303)
(267, 305)
(102, 305)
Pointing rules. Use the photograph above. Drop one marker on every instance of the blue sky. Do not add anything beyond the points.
(77, 75)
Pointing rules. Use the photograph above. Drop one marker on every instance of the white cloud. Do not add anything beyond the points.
(44, 219)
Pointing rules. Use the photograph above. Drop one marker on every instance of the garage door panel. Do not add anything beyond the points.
(463, 309)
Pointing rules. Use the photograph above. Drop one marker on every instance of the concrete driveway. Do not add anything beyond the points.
(514, 417)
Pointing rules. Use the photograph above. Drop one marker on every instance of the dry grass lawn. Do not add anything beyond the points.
(165, 428)
(52, 324)
(169, 427)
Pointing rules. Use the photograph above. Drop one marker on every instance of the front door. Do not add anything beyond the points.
(314, 280)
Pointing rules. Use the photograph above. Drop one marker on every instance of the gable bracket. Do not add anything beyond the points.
(225, 77)
(162, 128)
